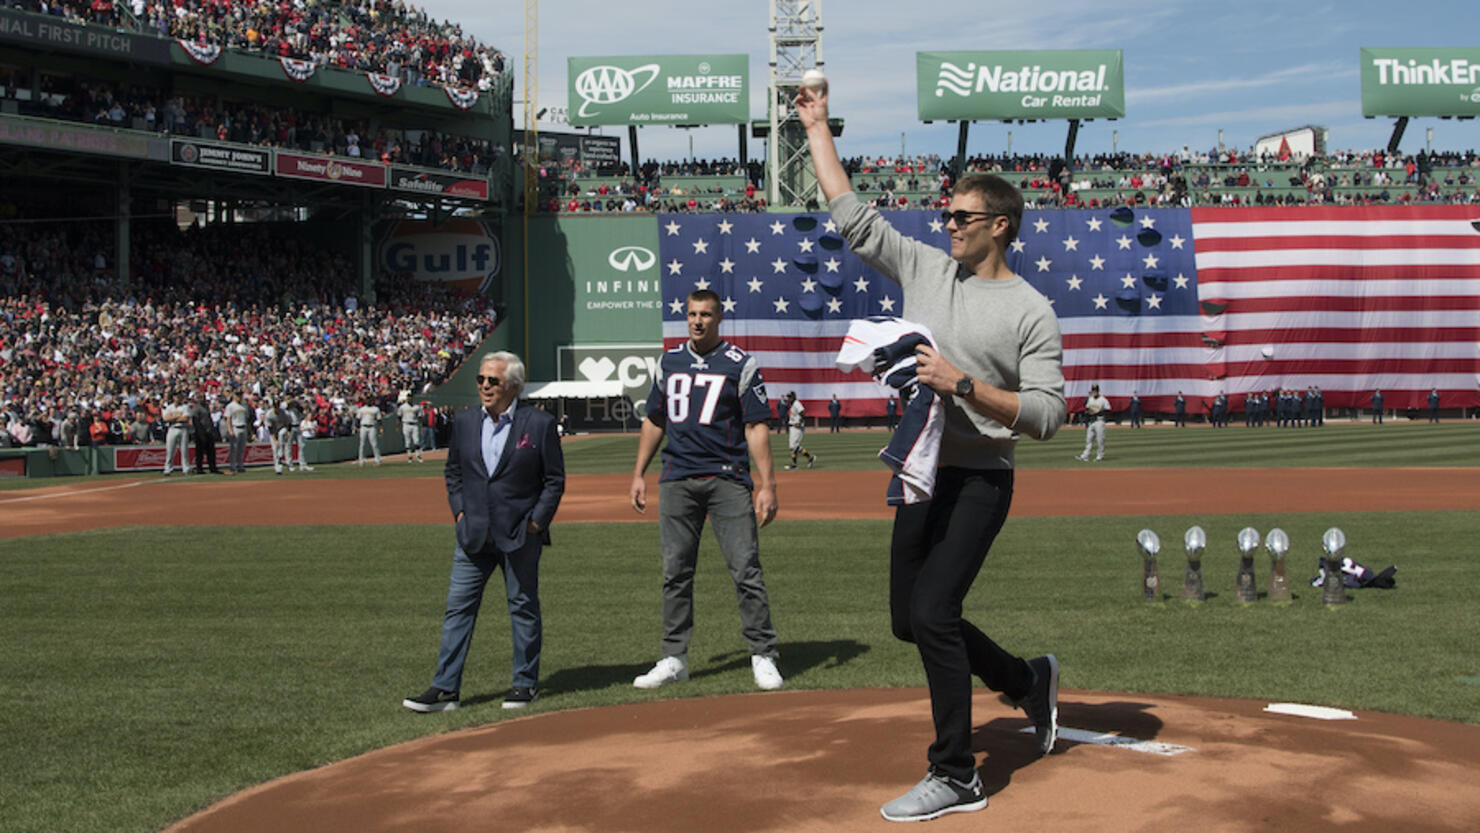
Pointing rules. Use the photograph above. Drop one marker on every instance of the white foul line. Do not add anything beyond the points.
(70, 493)
(1150, 747)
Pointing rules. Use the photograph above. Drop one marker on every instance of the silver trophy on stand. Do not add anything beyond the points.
(1195, 541)
(1248, 541)
(1149, 545)
(1278, 544)
(1333, 592)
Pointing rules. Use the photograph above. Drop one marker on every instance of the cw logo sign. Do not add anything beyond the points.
(636, 258)
(609, 84)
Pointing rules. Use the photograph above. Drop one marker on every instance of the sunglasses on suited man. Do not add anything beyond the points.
(491, 381)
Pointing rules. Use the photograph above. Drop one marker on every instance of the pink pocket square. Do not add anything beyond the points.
(524, 442)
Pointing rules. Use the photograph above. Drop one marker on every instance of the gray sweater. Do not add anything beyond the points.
(1002, 332)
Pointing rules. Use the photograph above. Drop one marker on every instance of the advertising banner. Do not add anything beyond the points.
(331, 169)
(668, 89)
(461, 252)
(74, 138)
(601, 154)
(1429, 81)
(634, 365)
(49, 32)
(221, 157)
(431, 182)
(1043, 84)
(151, 457)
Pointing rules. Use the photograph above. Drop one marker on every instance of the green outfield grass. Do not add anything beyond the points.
(1337, 444)
(1397, 443)
(149, 672)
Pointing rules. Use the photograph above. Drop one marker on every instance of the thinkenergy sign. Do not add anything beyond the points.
(1430, 81)
(1051, 84)
(672, 89)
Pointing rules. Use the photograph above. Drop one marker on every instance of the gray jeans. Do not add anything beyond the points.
(682, 507)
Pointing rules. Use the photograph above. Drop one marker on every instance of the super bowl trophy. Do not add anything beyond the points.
(1149, 545)
(1248, 541)
(1278, 544)
(1333, 592)
(1195, 541)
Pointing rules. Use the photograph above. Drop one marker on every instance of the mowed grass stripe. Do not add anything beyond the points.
(149, 672)
(1338, 444)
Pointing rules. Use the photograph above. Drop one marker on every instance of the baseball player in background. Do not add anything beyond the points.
(177, 439)
(796, 426)
(368, 416)
(1096, 408)
(410, 428)
(293, 436)
(275, 420)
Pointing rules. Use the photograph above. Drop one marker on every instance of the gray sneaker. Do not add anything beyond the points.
(935, 796)
(1042, 702)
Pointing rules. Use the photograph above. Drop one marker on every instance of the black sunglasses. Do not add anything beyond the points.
(489, 380)
(963, 218)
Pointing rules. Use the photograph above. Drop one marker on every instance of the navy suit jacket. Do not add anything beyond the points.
(526, 486)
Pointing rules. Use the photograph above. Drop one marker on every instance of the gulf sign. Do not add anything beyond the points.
(461, 252)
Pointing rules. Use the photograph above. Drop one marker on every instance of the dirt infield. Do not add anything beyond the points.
(810, 495)
(826, 760)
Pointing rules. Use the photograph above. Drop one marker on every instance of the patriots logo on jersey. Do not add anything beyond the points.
(760, 391)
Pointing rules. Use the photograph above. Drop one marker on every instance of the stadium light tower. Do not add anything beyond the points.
(796, 46)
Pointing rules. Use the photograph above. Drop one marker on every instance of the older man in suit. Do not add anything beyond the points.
(505, 475)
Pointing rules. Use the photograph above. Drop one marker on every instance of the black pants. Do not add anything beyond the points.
(937, 549)
(205, 454)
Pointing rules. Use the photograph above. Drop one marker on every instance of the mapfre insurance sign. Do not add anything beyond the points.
(668, 89)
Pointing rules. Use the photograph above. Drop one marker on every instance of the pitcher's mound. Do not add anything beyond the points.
(825, 760)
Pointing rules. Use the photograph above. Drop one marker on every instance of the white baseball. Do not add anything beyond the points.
(814, 79)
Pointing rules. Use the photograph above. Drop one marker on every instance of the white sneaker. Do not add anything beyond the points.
(1083, 459)
(767, 678)
(668, 670)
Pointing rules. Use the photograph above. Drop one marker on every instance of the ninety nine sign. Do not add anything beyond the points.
(1056, 84)
(1438, 81)
(331, 169)
(673, 89)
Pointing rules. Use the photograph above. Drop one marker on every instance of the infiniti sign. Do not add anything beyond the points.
(632, 257)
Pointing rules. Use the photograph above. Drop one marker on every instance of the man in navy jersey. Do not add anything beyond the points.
(708, 399)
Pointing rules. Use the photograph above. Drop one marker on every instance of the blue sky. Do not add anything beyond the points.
(1192, 68)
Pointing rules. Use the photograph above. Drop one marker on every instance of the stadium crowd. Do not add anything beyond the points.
(152, 109)
(210, 311)
(1185, 178)
(389, 37)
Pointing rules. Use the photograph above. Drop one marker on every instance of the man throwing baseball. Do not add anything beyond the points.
(997, 366)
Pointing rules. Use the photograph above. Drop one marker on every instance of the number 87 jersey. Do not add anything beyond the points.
(704, 403)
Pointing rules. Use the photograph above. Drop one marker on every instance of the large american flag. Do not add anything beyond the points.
(1150, 301)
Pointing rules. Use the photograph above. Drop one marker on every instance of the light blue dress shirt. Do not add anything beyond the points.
(495, 435)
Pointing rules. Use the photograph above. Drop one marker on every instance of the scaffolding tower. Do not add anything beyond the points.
(796, 46)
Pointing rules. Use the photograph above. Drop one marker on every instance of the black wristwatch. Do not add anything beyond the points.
(963, 386)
